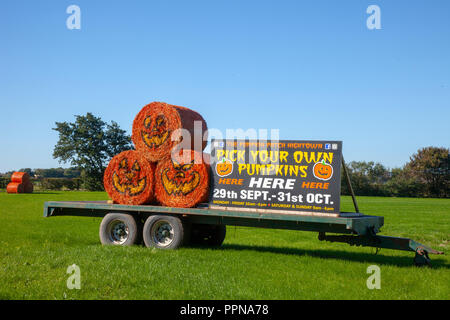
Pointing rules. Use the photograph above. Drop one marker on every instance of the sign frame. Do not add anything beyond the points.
(316, 149)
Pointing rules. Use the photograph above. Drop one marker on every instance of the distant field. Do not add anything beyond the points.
(253, 263)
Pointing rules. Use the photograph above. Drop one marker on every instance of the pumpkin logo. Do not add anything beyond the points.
(224, 168)
(126, 180)
(155, 132)
(323, 171)
(180, 179)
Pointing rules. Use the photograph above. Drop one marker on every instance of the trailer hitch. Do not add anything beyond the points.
(372, 240)
(421, 258)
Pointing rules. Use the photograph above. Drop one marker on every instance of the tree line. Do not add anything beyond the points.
(49, 173)
(89, 143)
(49, 179)
(427, 174)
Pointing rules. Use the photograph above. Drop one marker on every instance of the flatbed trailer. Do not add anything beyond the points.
(169, 227)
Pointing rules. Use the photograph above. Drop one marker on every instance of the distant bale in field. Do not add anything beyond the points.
(129, 179)
(182, 181)
(14, 187)
(154, 126)
(20, 177)
(20, 183)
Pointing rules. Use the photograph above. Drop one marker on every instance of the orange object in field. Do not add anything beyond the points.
(20, 183)
(20, 177)
(156, 130)
(14, 187)
(183, 180)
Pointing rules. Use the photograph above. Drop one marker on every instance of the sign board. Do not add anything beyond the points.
(286, 176)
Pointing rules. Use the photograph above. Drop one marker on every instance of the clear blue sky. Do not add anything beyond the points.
(310, 68)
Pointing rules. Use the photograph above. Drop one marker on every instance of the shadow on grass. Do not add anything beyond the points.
(43, 192)
(34, 192)
(341, 255)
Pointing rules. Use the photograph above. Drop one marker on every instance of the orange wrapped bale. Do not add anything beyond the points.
(14, 187)
(155, 124)
(129, 178)
(20, 177)
(182, 180)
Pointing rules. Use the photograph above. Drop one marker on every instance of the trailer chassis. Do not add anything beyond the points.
(354, 229)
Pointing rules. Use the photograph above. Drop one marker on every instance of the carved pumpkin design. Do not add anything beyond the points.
(129, 178)
(155, 131)
(224, 167)
(181, 179)
(323, 171)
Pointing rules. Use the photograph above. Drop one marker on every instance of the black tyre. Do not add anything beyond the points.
(208, 235)
(164, 232)
(119, 229)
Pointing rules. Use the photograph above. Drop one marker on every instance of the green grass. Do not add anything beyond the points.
(253, 263)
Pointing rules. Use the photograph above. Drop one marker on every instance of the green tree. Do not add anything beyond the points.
(431, 167)
(50, 173)
(88, 144)
(27, 170)
(71, 173)
(402, 184)
(367, 178)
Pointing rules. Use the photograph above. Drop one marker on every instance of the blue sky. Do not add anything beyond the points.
(309, 68)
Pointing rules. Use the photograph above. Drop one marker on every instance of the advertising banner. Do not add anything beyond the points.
(285, 176)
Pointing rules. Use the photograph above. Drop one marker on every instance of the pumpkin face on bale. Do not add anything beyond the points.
(323, 171)
(180, 179)
(129, 178)
(156, 130)
(182, 182)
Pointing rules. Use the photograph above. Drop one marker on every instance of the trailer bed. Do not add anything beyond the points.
(346, 223)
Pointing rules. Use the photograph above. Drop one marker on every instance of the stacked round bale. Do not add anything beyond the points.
(159, 127)
(20, 183)
(164, 167)
(183, 179)
(129, 178)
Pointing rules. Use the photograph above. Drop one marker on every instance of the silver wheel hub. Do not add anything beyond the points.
(118, 232)
(162, 233)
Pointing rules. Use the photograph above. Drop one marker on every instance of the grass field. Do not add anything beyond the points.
(252, 264)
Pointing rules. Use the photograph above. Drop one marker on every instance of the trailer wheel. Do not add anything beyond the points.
(217, 236)
(208, 235)
(119, 229)
(164, 232)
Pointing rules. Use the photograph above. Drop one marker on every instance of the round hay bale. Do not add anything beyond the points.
(14, 187)
(20, 177)
(155, 130)
(28, 188)
(182, 180)
(129, 178)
